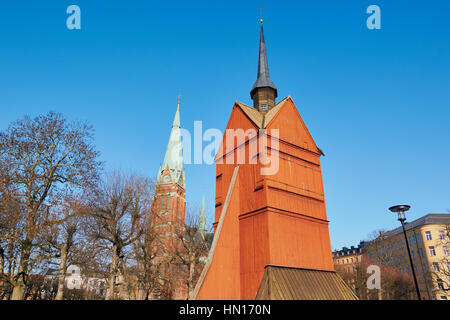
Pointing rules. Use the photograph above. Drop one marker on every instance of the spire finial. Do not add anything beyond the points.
(179, 100)
(261, 15)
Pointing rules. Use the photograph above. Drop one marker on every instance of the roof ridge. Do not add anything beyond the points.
(263, 120)
(274, 111)
(254, 115)
(298, 268)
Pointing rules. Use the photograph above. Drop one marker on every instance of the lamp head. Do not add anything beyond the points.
(400, 210)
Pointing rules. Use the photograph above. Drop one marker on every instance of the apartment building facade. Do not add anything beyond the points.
(429, 243)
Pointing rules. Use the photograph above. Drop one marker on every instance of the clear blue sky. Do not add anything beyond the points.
(376, 101)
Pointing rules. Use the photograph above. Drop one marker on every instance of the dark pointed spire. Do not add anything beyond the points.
(263, 79)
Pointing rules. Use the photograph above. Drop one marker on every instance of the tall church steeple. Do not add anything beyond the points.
(263, 91)
(173, 159)
(168, 207)
(202, 218)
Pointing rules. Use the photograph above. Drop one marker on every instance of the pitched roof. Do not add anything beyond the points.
(284, 283)
(252, 113)
(260, 120)
(272, 112)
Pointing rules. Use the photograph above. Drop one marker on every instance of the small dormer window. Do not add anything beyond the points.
(264, 107)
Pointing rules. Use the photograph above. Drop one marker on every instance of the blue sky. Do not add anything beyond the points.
(377, 102)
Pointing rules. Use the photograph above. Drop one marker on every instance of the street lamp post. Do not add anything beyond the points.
(400, 210)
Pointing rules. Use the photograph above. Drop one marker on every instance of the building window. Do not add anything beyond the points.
(428, 235)
(432, 251)
(415, 240)
(168, 202)
(442, 235)
(436, 267)
(264, 107)
(419, 238)
(161, 204)
(410, 241)
(446, 250)
(421, 253)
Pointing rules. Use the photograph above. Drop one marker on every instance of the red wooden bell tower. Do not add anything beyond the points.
(264, 220)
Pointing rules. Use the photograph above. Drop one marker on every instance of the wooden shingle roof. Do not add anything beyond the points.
(284, 283)
(258, 118)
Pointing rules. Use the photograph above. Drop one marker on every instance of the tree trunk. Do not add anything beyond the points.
(18, 291)
(62, 272)
(113, 273)
(140, 286)
(191, 284)
(129, 283)
(20, 287)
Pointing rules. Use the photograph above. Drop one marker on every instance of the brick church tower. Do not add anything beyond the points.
(169, 205)
(271, 237)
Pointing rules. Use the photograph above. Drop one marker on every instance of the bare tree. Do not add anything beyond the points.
(377, 245)
(192, 250)
(145, 254)
(395, 285)
(118, 205)
(43, 158)
(92, 257)
(356, 276)
(59, 241)
(12, 217)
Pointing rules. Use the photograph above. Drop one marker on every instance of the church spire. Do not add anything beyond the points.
(202, 218)
(173, 160)
(263, 91)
